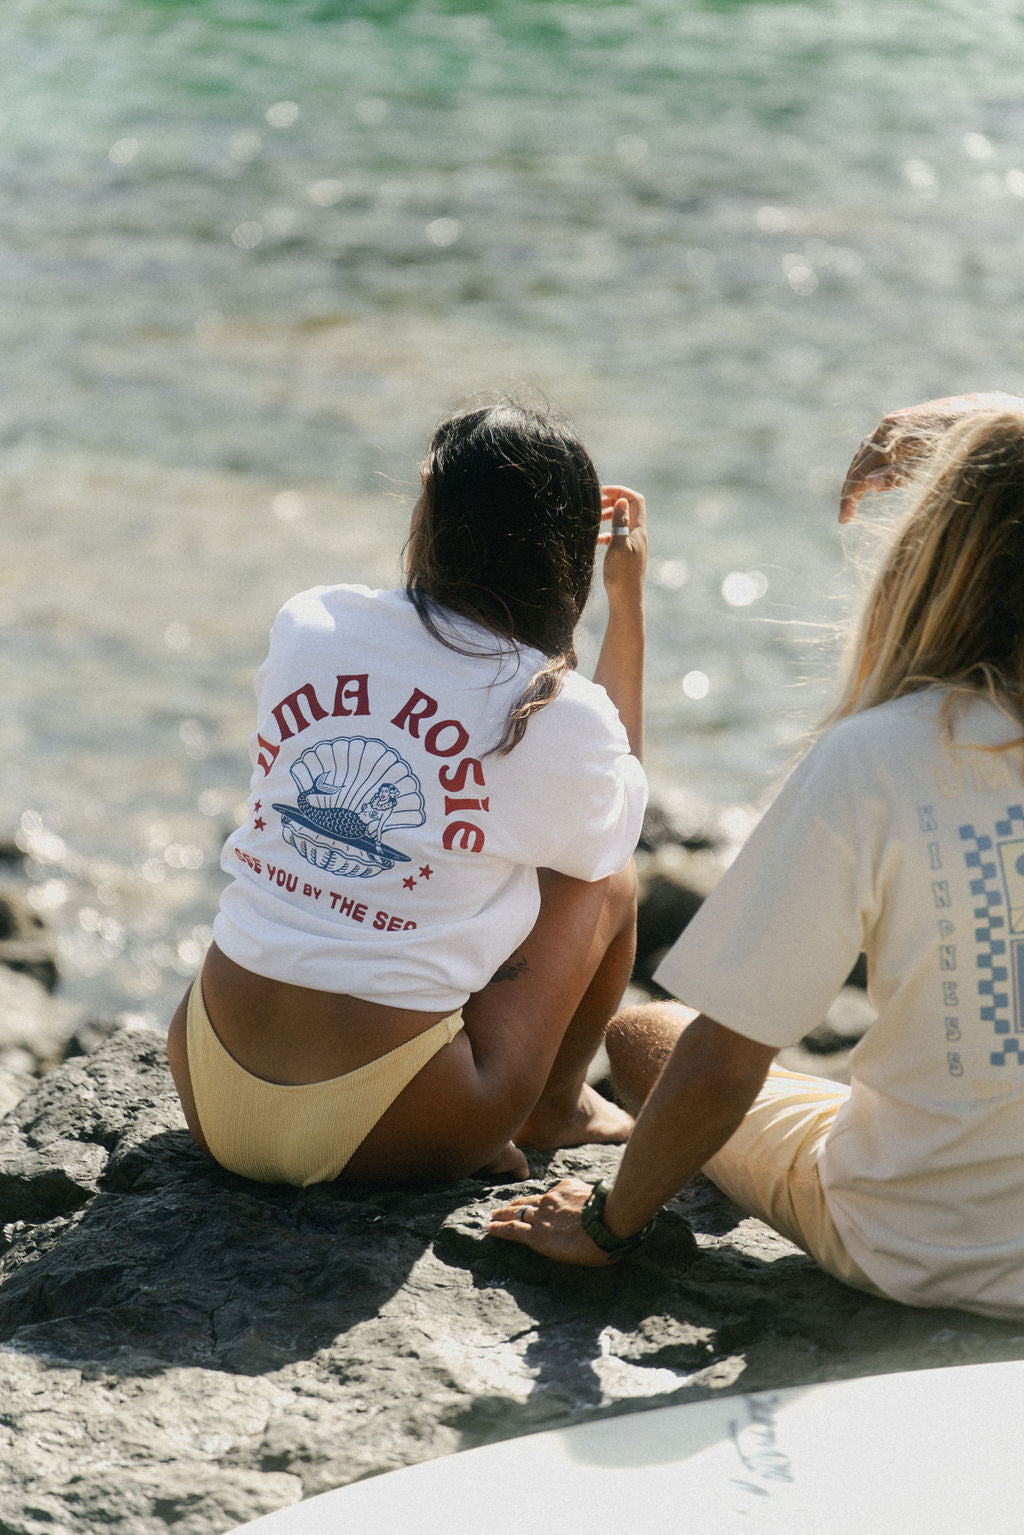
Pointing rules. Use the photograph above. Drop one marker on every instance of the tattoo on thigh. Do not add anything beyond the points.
(510, 970)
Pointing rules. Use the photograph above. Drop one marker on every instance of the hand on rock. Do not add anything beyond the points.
(550, 1224)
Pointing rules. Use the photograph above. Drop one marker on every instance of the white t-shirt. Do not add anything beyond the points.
(889, 841)
(385, 855)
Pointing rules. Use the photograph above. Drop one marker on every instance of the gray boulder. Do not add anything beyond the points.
(26, 943)
(181, 1349)
(34, 1027)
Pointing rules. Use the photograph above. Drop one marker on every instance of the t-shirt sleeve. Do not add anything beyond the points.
(302, 615)
(771, 946)
(581, 794)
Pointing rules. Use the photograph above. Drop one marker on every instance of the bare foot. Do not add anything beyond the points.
(509, 1165)
(591, 1120)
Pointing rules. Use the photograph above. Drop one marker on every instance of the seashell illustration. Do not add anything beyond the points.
(350, 788)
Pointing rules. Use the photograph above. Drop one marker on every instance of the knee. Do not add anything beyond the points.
(639, 1041)
(616, 889)
(630, 1031)
(619, 894)
(622, 890)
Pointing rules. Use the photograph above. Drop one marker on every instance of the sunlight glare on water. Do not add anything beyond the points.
(251, 254)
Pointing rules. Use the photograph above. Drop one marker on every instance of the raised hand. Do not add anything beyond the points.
(884, 456)
(620, 666)
(624, 535)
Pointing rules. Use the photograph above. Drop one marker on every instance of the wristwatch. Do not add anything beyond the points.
(592, 1221)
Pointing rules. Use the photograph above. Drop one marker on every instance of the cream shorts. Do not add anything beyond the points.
(769, 1167)
(300, 1135)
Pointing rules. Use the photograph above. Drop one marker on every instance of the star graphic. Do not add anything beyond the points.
(258, 806)
(426, 873)
(408, 882)
(259, 823)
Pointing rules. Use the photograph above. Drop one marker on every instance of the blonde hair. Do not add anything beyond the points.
(946, 608)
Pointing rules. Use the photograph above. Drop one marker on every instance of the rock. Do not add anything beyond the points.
(679, 862)
(34, 1027)
(826, 1051)
(26, 943)
(38, 1031)
(669, 894)
(14, 1085)
(183, 1350)
(689, 825)
(678, 866)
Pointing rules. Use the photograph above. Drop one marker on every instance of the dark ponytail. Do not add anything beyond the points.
(505, 536)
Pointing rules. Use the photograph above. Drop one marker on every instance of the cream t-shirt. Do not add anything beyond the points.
(887, 840)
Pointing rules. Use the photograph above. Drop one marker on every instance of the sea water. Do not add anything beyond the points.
(251, 250)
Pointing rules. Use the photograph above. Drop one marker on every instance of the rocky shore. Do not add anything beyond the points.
(183, 1350)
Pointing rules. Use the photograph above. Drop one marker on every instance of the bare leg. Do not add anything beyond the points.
(177, 1057)
(639, 1042)
(518, 1068)
(517, 1072)
(569, 1112)
(510, 1164)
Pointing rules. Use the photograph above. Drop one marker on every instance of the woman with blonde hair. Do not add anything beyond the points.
(431, 912)
(899, 834)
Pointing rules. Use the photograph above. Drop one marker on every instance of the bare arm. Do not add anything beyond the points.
(902, 436)
(708, 1083)
(620, 665)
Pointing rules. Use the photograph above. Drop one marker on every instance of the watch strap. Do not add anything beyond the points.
(593, 1223)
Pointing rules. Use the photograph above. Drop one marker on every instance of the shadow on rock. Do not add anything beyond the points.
(660, 1327)
(713, 1302)
(208, 1271)
(229, 1347)
(132, 1248)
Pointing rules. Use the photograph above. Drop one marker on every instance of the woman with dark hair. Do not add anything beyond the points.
(900, 834)
(432, 910)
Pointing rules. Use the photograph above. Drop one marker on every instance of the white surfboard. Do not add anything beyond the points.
(923, 1452)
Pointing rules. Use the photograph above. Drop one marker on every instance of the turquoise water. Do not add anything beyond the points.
(252, 249)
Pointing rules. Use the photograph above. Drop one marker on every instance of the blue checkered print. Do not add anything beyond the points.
(994, 956)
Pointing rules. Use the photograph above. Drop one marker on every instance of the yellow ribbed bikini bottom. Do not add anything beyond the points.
(305, 1134)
